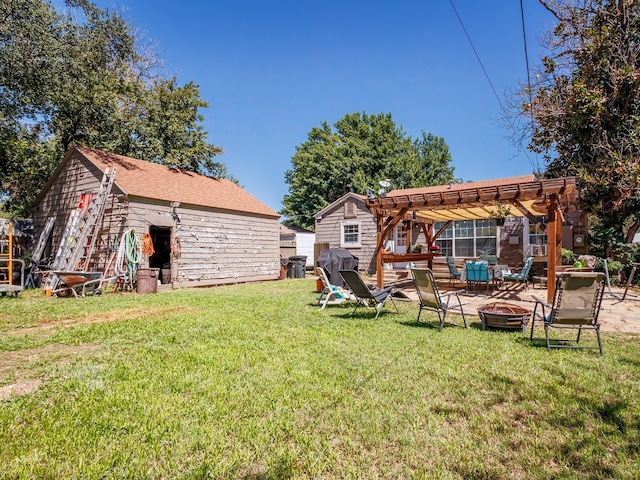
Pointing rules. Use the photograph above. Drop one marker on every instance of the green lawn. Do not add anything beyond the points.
(253, 381)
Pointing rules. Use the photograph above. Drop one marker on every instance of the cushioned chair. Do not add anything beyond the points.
(454, 274)
(431, 299)
(332, 294)
(523, 276)
(477, 273)
(576, 305)
(366, 296)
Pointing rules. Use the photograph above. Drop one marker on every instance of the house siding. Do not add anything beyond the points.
(328, 231)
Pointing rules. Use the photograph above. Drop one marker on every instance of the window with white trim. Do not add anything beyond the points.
(468, 238)
(537, 239)
(350, 234)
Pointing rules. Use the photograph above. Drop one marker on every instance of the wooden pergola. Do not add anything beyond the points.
(523, 196)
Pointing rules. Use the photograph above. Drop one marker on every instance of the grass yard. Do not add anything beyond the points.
(254, 382)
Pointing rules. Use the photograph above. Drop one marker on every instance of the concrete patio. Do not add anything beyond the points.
(615, 315)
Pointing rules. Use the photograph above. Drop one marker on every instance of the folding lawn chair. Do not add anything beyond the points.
(333, 295)
(365, 295)
(430, 297)
(576, 305)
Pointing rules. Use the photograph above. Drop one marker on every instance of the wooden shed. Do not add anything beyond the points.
(205, 231)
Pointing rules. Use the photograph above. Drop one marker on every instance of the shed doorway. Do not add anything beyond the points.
(161, 258)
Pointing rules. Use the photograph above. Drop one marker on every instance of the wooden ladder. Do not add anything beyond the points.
(81, 231)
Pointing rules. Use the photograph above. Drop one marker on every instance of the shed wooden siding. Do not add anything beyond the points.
(217, 247)
(223, 247)
(61, 198)
(328, 231)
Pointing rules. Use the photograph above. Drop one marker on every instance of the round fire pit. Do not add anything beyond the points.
(504, 315)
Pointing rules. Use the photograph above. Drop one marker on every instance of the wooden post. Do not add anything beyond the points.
(379, 240)
(554, 238)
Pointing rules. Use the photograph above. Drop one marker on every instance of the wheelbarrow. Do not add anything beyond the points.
(76, 283)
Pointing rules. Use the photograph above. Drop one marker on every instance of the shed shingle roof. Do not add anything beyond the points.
(151, 180)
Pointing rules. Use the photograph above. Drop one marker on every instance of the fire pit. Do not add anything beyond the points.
(504, 315)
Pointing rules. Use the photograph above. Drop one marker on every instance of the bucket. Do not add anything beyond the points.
(147, 280)
(165, 276)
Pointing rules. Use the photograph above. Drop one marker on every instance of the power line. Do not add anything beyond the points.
(526, 51)
(484, 70)
(476, 54)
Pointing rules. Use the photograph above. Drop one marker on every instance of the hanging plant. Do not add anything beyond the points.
(499, 213)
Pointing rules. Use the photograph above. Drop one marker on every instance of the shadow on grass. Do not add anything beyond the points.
(432, 324)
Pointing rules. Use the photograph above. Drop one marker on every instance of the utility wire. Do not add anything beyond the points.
(526, 51)
(526, 59)
(476, 54)
(495, 93)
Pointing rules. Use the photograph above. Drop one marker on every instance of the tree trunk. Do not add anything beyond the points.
(632, 230)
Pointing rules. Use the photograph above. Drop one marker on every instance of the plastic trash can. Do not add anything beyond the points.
(299, 264)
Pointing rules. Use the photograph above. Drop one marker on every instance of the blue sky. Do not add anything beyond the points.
(271, 71)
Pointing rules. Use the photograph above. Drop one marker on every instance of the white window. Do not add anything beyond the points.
(350, 234)
(537, 240)
(468, 238)
(401, 234)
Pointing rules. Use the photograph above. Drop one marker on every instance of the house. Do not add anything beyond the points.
(205, 231)
(347, 223)
(297, 241)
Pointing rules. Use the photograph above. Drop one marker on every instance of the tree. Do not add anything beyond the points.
(169, 130)
(354, 156)
(80, 76)
(586, 106)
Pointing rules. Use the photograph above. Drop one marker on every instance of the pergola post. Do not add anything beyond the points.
(379, 240)
(554, 239)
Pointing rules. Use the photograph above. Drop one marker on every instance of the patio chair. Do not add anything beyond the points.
(477, 273)
(576, 305)
(367, 296)
(431, 299)
(522, 277)
(332, 294)
(454, 274)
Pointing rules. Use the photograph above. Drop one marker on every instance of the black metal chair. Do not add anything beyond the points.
(366, 296)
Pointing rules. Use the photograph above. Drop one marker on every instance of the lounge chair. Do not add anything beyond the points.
(522, 277)
(332, 294)
(431, 299)
(576, 305)
(454, 274)
(367, 296)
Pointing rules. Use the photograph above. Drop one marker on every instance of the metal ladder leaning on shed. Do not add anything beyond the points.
(81, 232)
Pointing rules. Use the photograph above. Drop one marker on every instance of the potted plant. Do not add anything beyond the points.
(499, 213)
(417, 248)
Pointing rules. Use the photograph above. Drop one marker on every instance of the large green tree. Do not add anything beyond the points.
(353, 156)
(585, 106)
(79, 75)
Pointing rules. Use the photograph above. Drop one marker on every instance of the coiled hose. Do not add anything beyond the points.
(128, 257)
